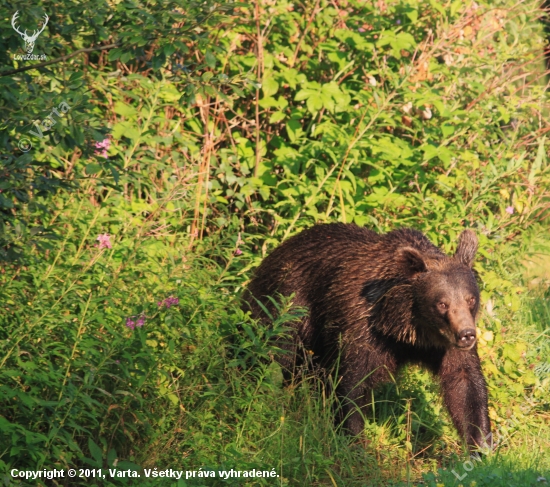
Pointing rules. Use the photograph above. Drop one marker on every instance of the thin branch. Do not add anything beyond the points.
(259, 74)
(101, 48)
(60, 59)
(311, 17)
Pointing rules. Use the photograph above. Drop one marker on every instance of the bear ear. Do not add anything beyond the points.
(467, 248)
(412, 260)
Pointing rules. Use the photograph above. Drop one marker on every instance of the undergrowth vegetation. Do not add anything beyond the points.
(187, 152)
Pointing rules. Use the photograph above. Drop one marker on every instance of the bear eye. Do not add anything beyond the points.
(443, 306)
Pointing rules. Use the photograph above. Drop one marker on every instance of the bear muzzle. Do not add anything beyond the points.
(466, 338)
(462, 327)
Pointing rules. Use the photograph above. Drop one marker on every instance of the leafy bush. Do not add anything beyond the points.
(49, 138)
(93, 368)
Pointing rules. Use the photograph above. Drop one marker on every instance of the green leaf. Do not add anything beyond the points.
(447, 130)
(173, 399)
(126, 129)
(294, 129)
(114, 54)
(314, 104)
(126, 56)
(537, 164)
(304, 94)
(95, 451)
(210, 59)
(169, 49)
(413, 16)
(269, 85)
(124, 109)
(111, 457)
(93, 168)
(276, 117)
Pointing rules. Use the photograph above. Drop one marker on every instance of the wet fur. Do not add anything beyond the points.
(368, 297)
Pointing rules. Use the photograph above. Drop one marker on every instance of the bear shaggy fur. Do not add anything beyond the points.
(377, 302)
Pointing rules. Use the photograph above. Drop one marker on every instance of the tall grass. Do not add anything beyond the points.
(196, 385)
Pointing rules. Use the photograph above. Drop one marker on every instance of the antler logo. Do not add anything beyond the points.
(29, 40)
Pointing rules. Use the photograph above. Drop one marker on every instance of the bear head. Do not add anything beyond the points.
(445, 294)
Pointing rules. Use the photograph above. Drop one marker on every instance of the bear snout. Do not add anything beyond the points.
(466, 338)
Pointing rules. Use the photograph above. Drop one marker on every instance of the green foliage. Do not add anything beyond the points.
(79, 384)
(368, 118)
(43, 150)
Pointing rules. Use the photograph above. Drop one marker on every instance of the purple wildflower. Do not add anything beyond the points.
(361, 29)
(130, 323)
(168, 302)
(105, 241)
(102, 147)
(398, 22)
(510, 210)
(140, 321)
(238, 252)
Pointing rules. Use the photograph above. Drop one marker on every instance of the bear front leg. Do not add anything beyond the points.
(354, 400)
(362, 371)
(465, 394)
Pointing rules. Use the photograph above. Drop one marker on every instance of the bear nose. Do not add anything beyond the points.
(466, 338)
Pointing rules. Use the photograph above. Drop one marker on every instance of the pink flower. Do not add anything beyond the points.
(238, 252)
(130, 323)
(168, 302)
(102, 147)
(104, 144)
(105, 241)
(510, 210)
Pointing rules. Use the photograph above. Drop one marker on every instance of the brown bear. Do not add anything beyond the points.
(376, 302)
